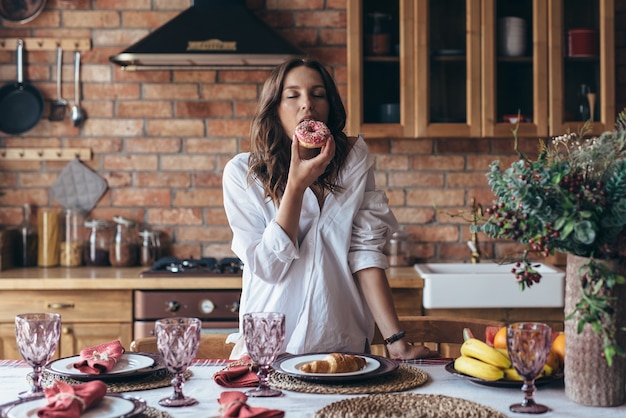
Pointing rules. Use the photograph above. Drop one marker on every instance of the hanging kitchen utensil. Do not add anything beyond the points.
(21, 104)
(78, 187)
(58, 106)
(21, 11)
(77, 114)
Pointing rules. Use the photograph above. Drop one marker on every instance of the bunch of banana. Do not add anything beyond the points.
(482, 361)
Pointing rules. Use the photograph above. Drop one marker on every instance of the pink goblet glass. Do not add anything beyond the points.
(264, 333)
(178, 340)
(37, 336)
(529, 344)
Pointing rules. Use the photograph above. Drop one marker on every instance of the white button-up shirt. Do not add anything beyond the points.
(310, 281)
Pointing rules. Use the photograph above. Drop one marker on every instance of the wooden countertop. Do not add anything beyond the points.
(111, 278)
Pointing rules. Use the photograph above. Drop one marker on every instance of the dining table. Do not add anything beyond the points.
(439, 381)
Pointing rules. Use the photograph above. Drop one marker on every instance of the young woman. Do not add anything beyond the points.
(309, 224)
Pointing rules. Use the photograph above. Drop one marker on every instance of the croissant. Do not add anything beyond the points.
(335, 363)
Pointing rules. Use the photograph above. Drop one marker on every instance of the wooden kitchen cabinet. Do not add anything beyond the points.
(448, 72)
(88, 317)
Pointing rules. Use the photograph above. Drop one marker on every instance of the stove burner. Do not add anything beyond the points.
(206, 264)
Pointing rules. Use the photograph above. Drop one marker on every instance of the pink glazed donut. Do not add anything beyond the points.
(312, 133)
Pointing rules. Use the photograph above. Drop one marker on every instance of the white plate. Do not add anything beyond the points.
(292, 365)
(128, 363)
(111, 406)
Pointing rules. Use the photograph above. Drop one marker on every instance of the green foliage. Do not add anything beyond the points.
(571, 199)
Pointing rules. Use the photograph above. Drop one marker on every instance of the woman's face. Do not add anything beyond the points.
(303, 97)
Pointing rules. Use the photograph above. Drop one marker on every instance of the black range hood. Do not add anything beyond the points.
(211, 34)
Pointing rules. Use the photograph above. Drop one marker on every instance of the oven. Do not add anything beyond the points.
(217, 309)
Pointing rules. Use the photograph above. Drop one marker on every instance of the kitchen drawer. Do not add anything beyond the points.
(73, 305)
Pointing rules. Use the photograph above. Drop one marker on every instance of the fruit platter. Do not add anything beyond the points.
(488, 363)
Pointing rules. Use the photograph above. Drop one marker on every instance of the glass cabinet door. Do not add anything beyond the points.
(515, 67)
(582, 65)
(447, 59)
(378, 85)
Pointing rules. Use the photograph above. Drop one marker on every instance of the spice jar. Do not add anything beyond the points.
(27, 241)
(398, 251)
(98, 241)
(48, 227)
(149, 250)
(71, 248)
(124, 245)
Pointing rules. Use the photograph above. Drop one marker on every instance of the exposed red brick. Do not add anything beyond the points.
(199, 198)
(147, 19)
(435, 197)
(175, 127)
(143, 197)
(437, 162)
(204, 109)
(175, 216)
(188, 163)
(163, 179)
(151, 145)
(130, 163)
(144, 109)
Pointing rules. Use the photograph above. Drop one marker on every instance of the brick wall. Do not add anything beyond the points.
(161, 138)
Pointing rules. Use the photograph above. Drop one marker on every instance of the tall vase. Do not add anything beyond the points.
(588, 378)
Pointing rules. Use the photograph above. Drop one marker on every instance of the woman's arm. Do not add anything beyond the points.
(375, 287)
(302, 173)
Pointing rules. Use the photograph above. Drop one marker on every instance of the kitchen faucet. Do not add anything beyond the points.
(477, 212)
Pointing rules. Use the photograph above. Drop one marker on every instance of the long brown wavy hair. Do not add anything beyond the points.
(270, 152)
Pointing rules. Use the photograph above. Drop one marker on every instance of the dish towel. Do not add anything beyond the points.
(67, 401)
(100, 358)
(239, 374)
(233, 405)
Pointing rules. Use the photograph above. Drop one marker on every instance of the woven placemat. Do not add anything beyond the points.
(159, 379)
(407, 405)
(151, 412)
(403, 378)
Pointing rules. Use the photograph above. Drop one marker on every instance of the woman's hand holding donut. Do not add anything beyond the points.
(304, 171)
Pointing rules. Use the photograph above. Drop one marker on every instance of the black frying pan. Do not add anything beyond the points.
(21, 11)
(21, 104)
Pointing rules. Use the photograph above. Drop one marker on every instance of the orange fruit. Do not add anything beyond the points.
(554, 361)
(499, 341)
(558, 347)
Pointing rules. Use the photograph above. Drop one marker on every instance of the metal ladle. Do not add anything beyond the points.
(77, 114)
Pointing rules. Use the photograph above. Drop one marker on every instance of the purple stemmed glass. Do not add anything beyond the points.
(529, 344)
(37, 336)
(264, 333)
(178, 340)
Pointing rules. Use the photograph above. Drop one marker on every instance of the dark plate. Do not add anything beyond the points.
(381, 367)
(501, 383)
(123, 375)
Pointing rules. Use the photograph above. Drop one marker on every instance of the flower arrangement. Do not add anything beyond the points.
(571, 199)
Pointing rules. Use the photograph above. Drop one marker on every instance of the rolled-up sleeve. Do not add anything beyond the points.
(372, 225)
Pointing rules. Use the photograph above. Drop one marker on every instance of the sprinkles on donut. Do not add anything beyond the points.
(312, 133)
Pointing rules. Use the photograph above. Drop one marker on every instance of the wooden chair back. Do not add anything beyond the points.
(212, 346)
(444, 334)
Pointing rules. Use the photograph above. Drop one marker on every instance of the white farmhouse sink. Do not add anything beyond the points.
(488, 285)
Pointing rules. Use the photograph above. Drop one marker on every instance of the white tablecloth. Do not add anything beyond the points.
(206, 391)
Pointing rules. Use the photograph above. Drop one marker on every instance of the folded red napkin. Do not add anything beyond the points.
(239, 374)
(233, 405)
(100, 358)
(67, 401)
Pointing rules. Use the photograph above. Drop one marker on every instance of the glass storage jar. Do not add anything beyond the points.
(398, 253)
(48, 230)
(123, 251)
(149, 250)
(97, 243)
(27, 241)
(71, 247)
